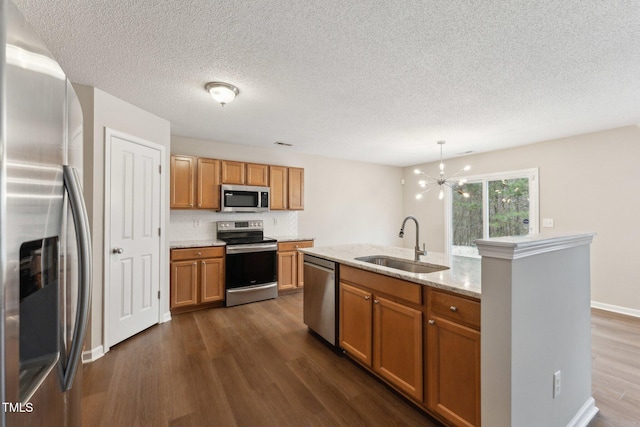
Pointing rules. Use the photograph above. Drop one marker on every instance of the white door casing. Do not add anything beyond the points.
(133, 206)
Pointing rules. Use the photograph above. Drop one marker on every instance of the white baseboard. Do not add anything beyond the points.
(92, 355)
(166, 317)
(585, 414)
(616, 309)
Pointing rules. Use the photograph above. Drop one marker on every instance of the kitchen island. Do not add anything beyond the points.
(404, 326)
(420, 332)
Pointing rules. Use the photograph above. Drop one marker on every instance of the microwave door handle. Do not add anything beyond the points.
(83, 235)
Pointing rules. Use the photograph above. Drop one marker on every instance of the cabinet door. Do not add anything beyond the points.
(397, 344)
(183, 175)
(184, 283)
(257, 174)
(296, 188)
(212, 280)
(300, 261)
(278, 184)
(233, 172)
(453, 371)
(208, 184)
(287, 270)
(356, 314)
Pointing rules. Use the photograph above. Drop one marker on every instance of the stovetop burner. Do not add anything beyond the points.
(242, 232)
(246, 240)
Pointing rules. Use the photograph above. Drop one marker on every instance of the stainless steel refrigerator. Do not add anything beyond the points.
(45, 259)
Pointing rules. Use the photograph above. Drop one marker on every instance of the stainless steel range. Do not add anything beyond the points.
(251, 269)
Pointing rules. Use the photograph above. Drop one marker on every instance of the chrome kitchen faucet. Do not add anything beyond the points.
(418, 251)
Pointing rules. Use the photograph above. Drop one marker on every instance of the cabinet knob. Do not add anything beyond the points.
(367, 298)
(432, 322)
(375, 301)
(199, 253)
(453, 308)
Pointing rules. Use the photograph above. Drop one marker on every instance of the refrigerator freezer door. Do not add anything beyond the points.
(36, 144)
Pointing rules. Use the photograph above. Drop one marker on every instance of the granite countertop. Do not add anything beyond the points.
(462, 277)
(183, 244)
(195, 243)
(291, 238)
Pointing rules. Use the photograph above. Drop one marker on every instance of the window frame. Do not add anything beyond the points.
(534, 201)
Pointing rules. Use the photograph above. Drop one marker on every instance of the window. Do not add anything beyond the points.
(500, 204)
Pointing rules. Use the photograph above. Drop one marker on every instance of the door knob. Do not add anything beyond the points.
(117, 250)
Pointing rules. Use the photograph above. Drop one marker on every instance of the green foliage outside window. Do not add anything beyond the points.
(508, 209)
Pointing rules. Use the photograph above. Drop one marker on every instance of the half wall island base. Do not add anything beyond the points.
(536, 331)
(534, 316)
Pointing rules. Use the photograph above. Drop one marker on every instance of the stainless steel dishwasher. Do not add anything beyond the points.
(319, 304)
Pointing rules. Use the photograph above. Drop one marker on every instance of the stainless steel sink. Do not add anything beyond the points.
(402, 264)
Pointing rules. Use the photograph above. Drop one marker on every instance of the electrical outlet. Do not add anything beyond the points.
(556, 384)
(196, 223)
(547, 222)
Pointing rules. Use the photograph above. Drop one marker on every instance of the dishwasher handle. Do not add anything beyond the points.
(319, 262)
(319, 267)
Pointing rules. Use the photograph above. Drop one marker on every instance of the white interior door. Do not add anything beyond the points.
(134, 228)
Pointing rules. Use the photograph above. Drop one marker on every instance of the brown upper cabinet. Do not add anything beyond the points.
(233, 172)
(208, 184)
(278, 181)
(257, 174)
(195, 183)
(183, 173)
(296, 189)
(287, 188)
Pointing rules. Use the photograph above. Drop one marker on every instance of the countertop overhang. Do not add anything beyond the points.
(462, 277)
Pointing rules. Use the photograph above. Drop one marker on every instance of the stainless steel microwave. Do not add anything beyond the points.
(244, 198)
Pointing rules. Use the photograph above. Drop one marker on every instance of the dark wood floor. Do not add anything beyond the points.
(615, 367)
(257, 365)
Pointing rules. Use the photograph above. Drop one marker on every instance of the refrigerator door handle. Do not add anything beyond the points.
(80, 219)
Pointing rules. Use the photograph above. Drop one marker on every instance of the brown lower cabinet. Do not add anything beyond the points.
(291, 264)
(382, 332)
(197, 277)
(423, 342)
(453, 358)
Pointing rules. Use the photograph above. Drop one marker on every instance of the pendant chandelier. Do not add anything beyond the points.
(429, 182)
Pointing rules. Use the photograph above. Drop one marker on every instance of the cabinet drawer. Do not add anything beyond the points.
(197, 253)
(293, 246)
(455, 308)
(411, 292)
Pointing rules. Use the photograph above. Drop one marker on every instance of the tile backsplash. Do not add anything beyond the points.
(187, 225)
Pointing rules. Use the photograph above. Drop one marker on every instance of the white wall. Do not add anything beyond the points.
(587, 183)
(101, 111)
(345, 201)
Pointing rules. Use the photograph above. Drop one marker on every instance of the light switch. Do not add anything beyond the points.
(547, 222)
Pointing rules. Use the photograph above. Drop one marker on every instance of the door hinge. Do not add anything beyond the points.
(158, 294)
(160, 169)
(159, 232)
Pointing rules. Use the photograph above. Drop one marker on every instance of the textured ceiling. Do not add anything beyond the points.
(377, 81)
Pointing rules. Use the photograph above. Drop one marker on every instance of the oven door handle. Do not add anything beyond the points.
(252, 288)
(243, 249)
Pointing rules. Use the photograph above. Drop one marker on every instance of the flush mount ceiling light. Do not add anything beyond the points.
(441, 181)
(223, 93)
